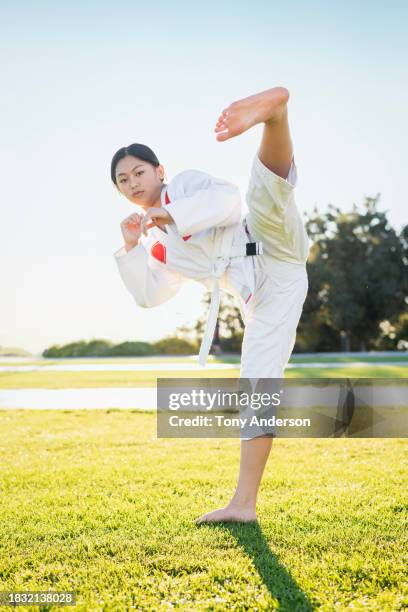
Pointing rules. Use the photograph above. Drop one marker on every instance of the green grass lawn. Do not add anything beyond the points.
(375, 367)
(298, 358)
(91, 501)
(63, 380)
(87, 360)
(226, 358)
(348, 359)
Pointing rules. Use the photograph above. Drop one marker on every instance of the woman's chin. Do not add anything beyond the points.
(142, 201)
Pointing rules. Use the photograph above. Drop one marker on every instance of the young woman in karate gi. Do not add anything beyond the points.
(192, 228)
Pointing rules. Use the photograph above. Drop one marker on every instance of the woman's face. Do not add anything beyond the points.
(139, 181)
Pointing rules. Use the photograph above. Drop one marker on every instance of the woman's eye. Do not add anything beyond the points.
(139, 173)
(122, 181)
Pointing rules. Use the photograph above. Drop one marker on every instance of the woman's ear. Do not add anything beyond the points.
(161, 173)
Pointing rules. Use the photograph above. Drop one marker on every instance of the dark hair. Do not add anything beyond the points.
(136, 150)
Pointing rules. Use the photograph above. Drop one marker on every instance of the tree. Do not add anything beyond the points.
(133, 349)
(231, 325)
(401, 331)
(100, 348)
(393, 334)
(174, 345)
(73, 349)
(229, 328)
(358, 273)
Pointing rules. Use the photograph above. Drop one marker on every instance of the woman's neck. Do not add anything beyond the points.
(157, 202)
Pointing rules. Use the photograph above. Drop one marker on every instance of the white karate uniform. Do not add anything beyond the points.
(207, 241)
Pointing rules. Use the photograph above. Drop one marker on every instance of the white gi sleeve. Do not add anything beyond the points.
(149, 287)
(206, 202)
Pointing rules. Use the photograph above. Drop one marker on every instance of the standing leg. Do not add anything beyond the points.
(242, 507)
(270, 108)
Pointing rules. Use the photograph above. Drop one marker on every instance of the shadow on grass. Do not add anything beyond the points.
(274, 575)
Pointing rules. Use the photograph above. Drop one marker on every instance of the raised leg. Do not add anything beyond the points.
(270, 108)
(276, 150)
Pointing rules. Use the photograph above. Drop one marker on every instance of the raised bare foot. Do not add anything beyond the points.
(229, 513)
(241, 115)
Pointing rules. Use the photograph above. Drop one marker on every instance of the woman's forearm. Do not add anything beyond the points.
(130, 245)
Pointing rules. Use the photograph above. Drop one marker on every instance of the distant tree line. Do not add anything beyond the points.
(13, 351)
(104, 348)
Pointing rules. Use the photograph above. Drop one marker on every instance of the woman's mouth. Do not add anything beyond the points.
(137, 194)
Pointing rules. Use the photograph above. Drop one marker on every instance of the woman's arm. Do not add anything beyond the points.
(148, 287)
(199, 201)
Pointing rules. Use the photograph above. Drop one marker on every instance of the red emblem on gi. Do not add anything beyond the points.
(158, 251)
(167, 201)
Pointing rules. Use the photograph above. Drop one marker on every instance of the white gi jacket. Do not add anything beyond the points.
(207, 243)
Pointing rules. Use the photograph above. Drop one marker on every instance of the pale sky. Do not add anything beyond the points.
(80, 80)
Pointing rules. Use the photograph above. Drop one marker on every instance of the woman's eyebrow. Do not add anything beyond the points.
(138, 166)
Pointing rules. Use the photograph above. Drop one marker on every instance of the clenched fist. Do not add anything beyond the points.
(155, 216)
(131, 230)
(133, 226)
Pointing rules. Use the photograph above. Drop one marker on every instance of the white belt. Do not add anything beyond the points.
(220, 264)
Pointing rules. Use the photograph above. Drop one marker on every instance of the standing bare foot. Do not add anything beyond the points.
(241, 115)
(232, 513)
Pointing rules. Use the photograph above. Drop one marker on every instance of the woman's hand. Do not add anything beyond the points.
(133, 226)
(155, 217)
(131, 230)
